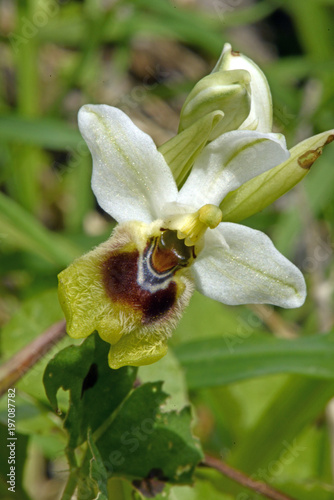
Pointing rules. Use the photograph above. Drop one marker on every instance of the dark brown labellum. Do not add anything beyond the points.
(144, 282)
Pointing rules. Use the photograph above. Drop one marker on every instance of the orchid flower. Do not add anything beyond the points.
(169, 205)
(134, 287)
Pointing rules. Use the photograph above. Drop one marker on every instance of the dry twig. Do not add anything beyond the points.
(241, 478)
(21, 362)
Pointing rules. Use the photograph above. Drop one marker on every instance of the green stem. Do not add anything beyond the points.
(311, 16)
(72, 480)
(27, 164)
(95, 28)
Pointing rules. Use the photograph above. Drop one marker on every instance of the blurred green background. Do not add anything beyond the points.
(144, 57)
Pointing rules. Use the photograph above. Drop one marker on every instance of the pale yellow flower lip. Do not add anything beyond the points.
(65, 302)
(101, 291)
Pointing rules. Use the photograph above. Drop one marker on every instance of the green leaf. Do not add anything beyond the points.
(95, 389)
(306, 13)
(308, 490)
(201, 489)
(169, 370)
(144, 442)
(298, 403)
(44, 132)
(22, 230)
(121, 489)
(98, 472)
(228, 359)
(201, 310)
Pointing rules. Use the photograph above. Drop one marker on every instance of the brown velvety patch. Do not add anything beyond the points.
(120, 282)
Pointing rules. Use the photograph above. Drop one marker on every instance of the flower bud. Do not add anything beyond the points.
(260, 117)
(227, 91)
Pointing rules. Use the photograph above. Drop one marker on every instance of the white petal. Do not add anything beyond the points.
(131, 179)
(250, 271)
(228, 162)
(260, 117)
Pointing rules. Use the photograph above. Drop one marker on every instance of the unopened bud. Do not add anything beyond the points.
(226, 91)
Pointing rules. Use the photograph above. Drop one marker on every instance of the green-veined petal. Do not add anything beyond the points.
(229, 161)
(131, 179)
(250, 271)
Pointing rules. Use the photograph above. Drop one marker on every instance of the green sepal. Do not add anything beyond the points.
(181, 151)
(258, 193)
